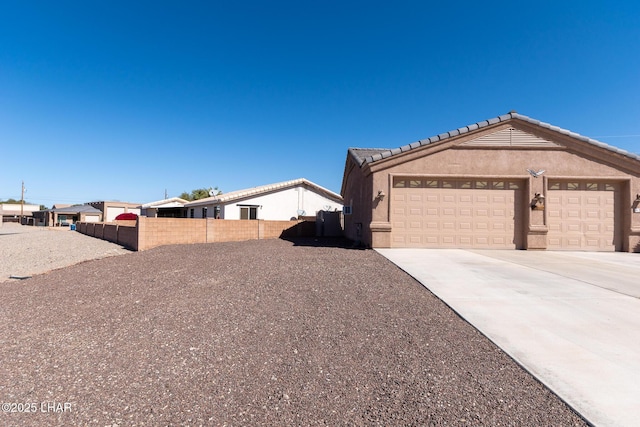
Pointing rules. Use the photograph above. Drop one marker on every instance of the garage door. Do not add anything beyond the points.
(92, 218)
(113, 212)
(440, 213)
(581, 216)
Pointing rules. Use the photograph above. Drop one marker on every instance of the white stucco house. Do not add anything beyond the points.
(279, 201)
(166, 208)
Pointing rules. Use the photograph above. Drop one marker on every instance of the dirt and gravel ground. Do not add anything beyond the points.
(27, 250)
(253, 333)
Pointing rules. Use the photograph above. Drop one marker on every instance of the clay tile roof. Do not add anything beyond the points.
(371, 155)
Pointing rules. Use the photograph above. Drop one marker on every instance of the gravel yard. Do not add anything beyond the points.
(265, 332)
(27, 250)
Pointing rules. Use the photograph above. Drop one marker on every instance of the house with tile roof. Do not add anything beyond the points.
(511, 182)
(279, 201)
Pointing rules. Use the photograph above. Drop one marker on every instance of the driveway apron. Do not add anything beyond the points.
(572, 319)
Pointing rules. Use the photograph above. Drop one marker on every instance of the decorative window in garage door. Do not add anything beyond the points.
(500, 184)
(581, 186)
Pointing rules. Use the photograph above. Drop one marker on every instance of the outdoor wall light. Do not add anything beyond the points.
(380, 195)
(636, 204)
(538, 202)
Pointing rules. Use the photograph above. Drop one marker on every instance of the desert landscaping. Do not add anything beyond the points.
(270, 332)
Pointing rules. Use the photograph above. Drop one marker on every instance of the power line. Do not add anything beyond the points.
(617, 136)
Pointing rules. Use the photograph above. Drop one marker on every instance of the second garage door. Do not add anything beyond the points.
(582, 216)
(442, 213)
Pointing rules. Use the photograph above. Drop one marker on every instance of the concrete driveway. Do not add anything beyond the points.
(572, 319)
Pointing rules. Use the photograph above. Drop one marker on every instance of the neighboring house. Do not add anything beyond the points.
(510, 182)
(110, 210)
(280, 201)
(11, 212)
(64, 215)
(167, 208)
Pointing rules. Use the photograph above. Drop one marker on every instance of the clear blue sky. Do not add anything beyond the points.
(120, 100)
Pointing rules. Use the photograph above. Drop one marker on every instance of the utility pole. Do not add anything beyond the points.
(22, 204)
(165, 194)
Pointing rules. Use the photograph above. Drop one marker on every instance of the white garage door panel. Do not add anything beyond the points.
(92, 218)
(453, 217)
(113, 212)
(581, 219)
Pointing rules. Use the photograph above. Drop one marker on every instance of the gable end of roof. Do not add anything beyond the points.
(371, 155)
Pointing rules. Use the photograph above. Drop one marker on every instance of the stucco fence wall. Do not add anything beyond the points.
(146, 233)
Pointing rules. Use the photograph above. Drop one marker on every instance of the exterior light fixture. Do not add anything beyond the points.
(636, 204)
(538, 202)
(380, 195)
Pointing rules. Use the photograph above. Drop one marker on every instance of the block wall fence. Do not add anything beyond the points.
(146, 233)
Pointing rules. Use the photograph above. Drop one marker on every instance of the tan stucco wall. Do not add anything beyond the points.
(359, 197)
(563, 158)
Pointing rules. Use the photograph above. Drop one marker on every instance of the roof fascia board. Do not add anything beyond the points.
(444, 139)
(351, 165)
(164, 201)
(323, 191)
(580, 140)
(586, 147)
(238, 195)
(554, 133)
(264, 191)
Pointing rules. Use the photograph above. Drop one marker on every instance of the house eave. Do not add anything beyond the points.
(385, 155)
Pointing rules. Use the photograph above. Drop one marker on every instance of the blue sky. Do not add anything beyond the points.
(126, 100)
